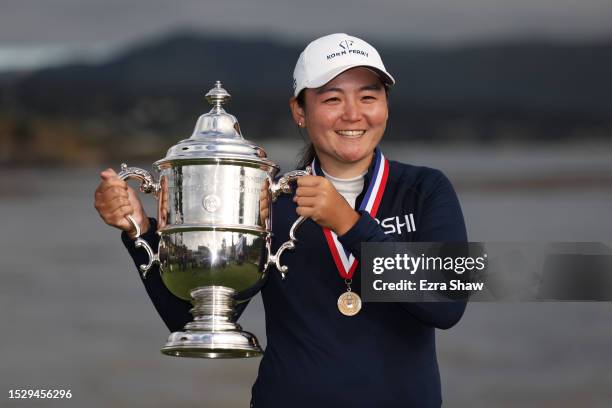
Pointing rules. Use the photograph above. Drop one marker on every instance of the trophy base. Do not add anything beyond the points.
(223, 344)
(212, 333)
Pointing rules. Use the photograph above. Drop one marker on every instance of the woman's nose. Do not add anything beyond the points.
(352, 112)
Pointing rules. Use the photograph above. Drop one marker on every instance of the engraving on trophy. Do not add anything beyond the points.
(211, 203)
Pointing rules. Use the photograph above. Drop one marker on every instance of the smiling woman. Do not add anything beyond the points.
(345, 118)
(324, 348)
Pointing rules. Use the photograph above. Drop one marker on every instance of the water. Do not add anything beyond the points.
(77, 317)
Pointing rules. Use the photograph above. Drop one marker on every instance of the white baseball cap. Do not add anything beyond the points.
(329, 56)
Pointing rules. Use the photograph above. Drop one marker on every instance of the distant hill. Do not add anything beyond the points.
(479, 92)
(532, 76)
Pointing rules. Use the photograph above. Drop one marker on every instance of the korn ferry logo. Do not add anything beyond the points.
(346, 44)
(346, 48)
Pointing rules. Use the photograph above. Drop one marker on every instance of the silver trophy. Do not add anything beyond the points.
(214, 246)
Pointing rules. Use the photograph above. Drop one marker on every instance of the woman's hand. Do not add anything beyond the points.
(114, 200)
(318, 199)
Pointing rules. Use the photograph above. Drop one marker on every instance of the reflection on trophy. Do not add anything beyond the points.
(214, 242)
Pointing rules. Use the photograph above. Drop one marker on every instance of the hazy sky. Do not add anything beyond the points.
(63, 26)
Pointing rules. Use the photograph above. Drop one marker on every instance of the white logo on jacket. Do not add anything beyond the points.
(394, 225)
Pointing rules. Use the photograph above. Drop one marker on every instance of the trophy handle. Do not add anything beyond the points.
(147, 185)
(283, 185)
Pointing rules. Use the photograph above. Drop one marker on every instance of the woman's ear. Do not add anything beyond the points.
(297, 112)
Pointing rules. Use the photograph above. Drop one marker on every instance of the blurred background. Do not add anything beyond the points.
(510, 99)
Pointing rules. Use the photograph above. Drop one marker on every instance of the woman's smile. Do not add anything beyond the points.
(351, 134)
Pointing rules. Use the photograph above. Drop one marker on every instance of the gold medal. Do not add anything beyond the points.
(349, 303)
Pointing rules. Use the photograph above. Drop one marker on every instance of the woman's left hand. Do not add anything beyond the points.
(318, 199)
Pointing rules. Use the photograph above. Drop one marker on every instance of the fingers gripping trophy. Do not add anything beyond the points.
(214, 221)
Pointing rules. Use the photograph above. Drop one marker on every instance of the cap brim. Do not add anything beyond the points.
(323, 79)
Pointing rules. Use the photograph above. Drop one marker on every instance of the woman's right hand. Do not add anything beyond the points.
(115, 200)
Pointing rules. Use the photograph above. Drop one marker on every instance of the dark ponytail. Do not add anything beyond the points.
(307, 154)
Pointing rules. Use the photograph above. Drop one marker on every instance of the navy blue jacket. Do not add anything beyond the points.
(385, 356)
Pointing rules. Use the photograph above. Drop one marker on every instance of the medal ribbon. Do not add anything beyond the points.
(344, 260)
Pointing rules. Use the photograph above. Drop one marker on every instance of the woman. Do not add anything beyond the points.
(384, 355)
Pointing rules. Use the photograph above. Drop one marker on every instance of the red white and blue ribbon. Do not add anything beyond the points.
(344, 260)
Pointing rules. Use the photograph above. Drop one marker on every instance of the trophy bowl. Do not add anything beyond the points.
(214, 246)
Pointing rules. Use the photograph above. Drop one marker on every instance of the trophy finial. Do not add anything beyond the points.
(218, 96)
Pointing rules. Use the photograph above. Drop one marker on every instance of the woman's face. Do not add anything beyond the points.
(345, 118)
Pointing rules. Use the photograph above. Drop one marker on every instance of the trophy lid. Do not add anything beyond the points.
(216, 136)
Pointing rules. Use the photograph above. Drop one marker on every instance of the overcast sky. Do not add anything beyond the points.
(46, 28)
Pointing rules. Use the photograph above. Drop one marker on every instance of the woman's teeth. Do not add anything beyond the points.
(351, 133)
